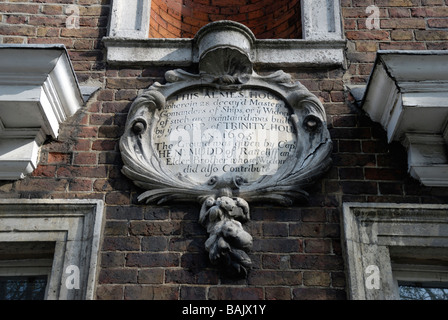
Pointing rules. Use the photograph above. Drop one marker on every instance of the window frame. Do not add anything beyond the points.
(322, 44)
(369, 232)
(436, 276)
(27, 267)
(76, 228)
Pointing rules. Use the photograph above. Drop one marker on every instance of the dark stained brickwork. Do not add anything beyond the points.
(157, 252)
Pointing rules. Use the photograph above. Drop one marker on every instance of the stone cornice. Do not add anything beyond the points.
(181, 52)
(38, 92)
(408, 95)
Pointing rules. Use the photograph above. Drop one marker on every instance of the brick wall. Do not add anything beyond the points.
(404, 25)
(157, 252)
(266, 18)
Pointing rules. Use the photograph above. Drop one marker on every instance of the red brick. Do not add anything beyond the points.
(401, 35)
(151, 292)
(118, 198)
(101, 119)
(117, 276)
(125, 94)
(155, 228)
(278, 293)
(83, 32)
(67, 42)
(112, 292)
(86, 172)
(437, 23)
(17, 30)
(88, 132)
(193, 293)
(384, 174)
(104, 145)
(47, 21)
(403, 46)
(354, 160)
(359, 187)
(318, 294)
(172, 19)
(106, 131)
(56, 157)
(397, 3)
(44, 171)
(80, 185)
(126, 83)
(121, 244)
(316, 262)
(235, 293)
(349, 146)
(14, 39)
(277, 245)
(316, 278)
(151, 276)
(151, 260)
(85, 158)
(19, 8)
(403, 23)
(399, 12)
(82, 145)
(434, 12)
(367, 35)
(273, 278)
(52, 10)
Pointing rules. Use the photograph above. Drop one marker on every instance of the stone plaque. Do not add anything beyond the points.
(225, 137)
(209, 132)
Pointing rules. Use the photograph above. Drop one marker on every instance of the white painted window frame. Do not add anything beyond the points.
(371, 229)
(74, 225)
(322, 44)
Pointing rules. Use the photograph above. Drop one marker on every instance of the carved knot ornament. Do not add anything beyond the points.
(225, 137)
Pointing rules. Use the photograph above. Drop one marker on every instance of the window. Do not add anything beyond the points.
(49, 248)
(417, 282)
(25, 268)
(30, 287)
(321, 42)
(419, 291)
(395, 251)
(420, 273)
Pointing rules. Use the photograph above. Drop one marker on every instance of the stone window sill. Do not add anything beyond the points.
(182, 52)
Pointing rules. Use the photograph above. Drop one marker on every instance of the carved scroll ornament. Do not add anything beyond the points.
(174, 131)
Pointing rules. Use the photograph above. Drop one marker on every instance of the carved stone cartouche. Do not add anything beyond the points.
(155, 161)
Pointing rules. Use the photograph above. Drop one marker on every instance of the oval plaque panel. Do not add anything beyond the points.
(208, 132)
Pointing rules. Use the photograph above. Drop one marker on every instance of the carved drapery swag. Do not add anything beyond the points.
(225, 67)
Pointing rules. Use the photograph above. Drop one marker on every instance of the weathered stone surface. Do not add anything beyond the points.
(223, 137)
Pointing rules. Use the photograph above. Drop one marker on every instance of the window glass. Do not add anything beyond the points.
(23, 287)
(422, 291)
